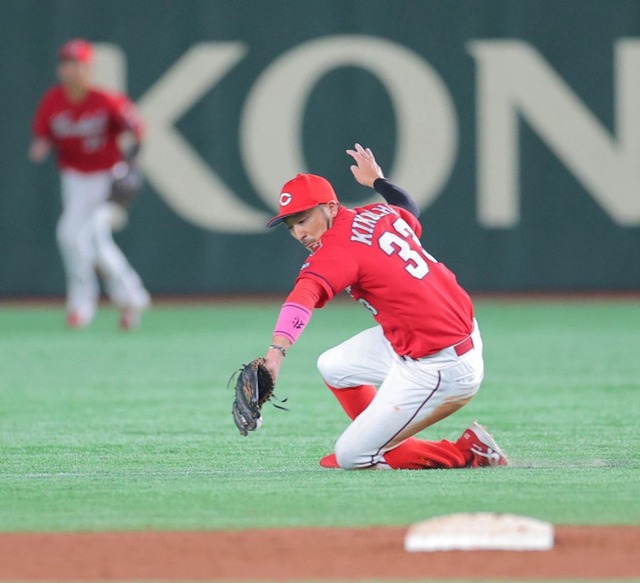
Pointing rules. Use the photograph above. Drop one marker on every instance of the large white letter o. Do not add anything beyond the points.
(271, 126)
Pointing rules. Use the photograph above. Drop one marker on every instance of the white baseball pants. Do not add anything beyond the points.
(412, 394)
(86, 245)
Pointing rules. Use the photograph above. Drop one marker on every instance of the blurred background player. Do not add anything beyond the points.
(83, 125)
(424, 359)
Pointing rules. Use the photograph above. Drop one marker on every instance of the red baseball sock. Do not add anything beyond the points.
(329, 461)
(419, 454)
(354, 400)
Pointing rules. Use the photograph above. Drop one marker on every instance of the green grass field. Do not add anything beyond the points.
(106, 430)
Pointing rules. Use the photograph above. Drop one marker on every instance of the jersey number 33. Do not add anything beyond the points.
(399, 243)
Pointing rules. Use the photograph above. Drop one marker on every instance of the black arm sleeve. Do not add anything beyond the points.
(396, 196)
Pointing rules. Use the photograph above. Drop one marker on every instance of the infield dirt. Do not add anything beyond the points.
(299, 554)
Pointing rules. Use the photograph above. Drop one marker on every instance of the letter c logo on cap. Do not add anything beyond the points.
(285, 199)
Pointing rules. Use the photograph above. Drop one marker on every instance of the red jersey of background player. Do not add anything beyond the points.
(374, 253)
(85, 133)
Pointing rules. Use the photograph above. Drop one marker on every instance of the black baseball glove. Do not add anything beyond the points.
(254, 387)
(127, 181)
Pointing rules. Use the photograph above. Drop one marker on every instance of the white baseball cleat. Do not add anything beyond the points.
(486, 452)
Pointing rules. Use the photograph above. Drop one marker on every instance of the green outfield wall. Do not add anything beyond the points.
(515, 125)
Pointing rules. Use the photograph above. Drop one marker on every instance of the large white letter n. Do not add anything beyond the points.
(513, 79)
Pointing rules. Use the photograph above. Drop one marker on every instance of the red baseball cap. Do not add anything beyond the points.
(302, 193)
(76, 50)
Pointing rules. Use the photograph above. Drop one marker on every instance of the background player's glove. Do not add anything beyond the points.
(254, 387)
(125, 184)
(127, 180)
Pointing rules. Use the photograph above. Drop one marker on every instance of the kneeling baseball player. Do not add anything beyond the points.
(421, 363)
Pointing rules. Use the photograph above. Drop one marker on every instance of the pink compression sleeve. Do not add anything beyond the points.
(292, 320)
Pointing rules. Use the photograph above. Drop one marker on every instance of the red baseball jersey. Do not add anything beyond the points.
(375, 254)
(85, 133)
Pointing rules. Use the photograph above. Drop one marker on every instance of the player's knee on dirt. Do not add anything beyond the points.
(333, 368)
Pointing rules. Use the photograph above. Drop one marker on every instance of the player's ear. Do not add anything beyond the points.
(332, 208)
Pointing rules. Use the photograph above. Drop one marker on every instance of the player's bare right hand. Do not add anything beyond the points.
(366, 170)
(274, 356)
